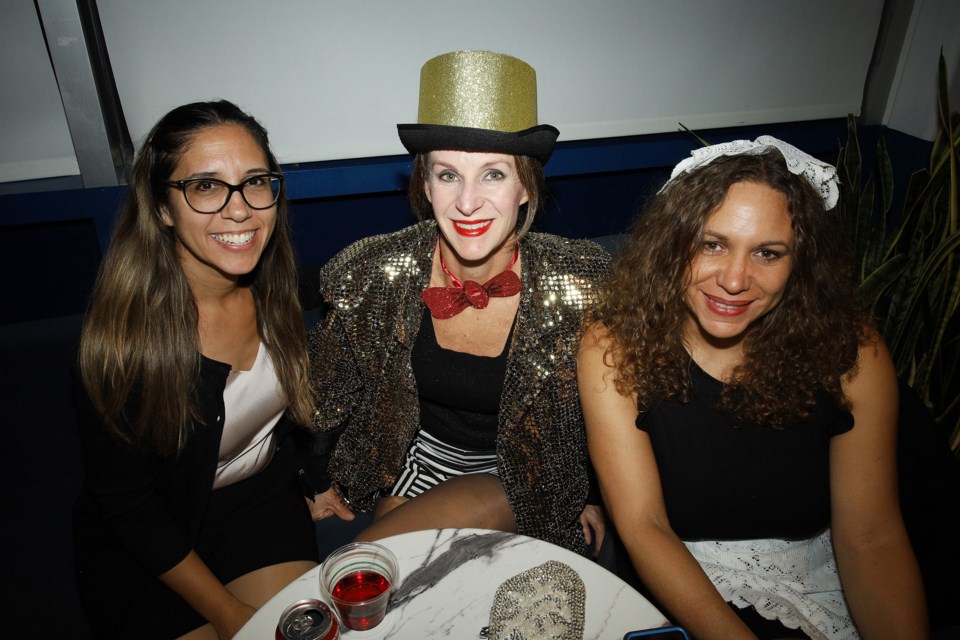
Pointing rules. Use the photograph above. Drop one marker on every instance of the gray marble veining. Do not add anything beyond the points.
(433, 570)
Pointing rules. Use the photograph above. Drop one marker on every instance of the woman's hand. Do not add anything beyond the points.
(228, 625)
(594, 523)
(328, 504)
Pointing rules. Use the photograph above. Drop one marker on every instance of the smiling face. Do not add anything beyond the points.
(476, 199)
(742, 267)
(214, 247)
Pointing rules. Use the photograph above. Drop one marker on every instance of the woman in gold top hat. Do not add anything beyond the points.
(446, 366)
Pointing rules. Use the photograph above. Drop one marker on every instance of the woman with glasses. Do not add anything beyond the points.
(194, 377)
(447, 359)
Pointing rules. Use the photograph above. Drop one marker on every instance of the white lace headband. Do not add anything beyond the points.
(821, 175)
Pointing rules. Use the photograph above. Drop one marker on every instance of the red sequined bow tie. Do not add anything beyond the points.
(446, 302)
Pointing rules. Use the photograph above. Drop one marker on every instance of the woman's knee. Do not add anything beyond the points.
(387, 504)
(486, 498)
(258, 586)
(474, 501)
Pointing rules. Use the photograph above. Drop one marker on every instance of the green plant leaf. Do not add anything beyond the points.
(885, 168)
(881, 278)
(694, 134)
(864, 226)
(851, 162)
(928, 272)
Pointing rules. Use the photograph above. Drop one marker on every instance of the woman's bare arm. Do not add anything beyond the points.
(630, 483)
(878, 570)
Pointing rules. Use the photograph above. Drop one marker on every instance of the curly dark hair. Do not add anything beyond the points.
(807, 342)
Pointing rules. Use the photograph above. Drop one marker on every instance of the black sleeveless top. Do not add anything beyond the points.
(459, 392)
(723, 480)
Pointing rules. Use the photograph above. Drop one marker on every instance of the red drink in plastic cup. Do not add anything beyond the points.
(357, 579)
(357, 597)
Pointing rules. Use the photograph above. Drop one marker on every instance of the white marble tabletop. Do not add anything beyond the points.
(451, 595)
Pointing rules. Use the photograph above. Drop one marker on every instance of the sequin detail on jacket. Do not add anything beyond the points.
(364, 384)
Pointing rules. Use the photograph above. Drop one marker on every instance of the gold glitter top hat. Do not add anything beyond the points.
(479, 101)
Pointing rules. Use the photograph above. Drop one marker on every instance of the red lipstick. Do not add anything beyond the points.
(471, 228)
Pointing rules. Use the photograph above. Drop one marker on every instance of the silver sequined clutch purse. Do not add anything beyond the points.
(545, 602)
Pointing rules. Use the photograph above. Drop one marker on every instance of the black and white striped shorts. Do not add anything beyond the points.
(430, 461)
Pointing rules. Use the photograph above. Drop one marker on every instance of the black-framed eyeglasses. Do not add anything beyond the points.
(210, 195)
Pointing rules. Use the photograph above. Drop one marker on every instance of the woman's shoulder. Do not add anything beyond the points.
(560, 245)
(580, 257)
(874, 367)
(384, 245)
(399, 253)
(563, 273)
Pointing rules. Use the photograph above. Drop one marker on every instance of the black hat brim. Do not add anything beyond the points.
(536, 141)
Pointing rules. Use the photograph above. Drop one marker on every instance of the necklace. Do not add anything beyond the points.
(446, 302)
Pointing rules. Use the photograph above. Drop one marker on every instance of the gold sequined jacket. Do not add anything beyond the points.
(364, 383)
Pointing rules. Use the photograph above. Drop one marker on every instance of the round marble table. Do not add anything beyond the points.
(448, 578)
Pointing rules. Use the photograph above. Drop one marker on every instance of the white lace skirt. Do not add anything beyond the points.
(793, 581)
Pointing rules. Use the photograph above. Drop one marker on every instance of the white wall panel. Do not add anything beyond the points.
(912, 103)
(34, 138)
(331, 78)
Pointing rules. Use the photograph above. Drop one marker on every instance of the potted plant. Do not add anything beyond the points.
(909, 263)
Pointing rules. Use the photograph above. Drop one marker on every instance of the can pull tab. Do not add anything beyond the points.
(304, 622)
(307, 620)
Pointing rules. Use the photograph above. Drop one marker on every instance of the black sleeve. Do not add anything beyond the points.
(125, 488)
(316, 449)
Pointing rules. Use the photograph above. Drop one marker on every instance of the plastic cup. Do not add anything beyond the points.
(357, 579)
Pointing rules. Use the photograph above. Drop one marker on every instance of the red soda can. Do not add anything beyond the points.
(308, 620)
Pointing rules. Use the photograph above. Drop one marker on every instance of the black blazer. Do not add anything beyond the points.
(139, 507)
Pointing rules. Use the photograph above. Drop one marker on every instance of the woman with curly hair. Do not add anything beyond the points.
(741, 409)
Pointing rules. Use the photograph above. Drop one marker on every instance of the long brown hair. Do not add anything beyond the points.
(139, 351)
(808, 342)
(529, 171)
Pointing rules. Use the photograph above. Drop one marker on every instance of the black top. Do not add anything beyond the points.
(459, 392)
(727, 481)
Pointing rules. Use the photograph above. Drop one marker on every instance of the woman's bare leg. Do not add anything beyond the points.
(205, 632)
(472, 501)
(387, 504)
(255, 588)
(258, 586)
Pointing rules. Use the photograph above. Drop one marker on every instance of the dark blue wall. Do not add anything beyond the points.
(54, 232)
